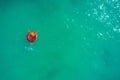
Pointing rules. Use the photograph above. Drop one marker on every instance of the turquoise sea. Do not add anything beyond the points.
(77, 40)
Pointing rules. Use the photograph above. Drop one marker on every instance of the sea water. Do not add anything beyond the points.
(77, 40)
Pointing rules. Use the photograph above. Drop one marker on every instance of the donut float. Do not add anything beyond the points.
(31, 37)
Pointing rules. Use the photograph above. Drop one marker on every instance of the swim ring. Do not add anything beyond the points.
(31, 37)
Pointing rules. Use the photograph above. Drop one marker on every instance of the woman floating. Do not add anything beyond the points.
(31, 37)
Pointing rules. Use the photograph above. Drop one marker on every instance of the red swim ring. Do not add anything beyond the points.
(31, 37)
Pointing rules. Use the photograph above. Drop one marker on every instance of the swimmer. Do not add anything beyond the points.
(31, 37)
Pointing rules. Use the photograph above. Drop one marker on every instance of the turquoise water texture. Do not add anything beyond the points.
(77, 40)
